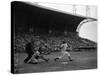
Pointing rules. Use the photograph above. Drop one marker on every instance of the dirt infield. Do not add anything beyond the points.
(81, 60)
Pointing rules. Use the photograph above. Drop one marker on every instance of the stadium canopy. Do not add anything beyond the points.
(27, 15)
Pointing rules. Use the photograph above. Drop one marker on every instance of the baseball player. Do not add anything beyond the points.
(64, 47)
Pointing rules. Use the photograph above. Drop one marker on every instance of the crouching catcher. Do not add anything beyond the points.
(38, 55)
(33, 54)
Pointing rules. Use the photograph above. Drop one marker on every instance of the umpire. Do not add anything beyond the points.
(29, 50)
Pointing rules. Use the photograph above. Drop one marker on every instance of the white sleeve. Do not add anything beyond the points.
(66, 45)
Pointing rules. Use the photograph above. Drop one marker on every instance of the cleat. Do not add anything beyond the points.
(56, 59)
(47, 60)
(25, 62)
(71, 60)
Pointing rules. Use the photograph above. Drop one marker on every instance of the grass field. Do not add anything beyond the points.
(81, 60)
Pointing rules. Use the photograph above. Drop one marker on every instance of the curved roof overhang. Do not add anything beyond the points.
(28, 15)
(83, 22)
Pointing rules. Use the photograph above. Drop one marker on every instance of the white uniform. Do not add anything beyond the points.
(63, 50)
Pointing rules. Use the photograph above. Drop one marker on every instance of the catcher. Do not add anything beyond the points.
(34, 53)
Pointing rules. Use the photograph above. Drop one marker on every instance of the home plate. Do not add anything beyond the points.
(64, 62)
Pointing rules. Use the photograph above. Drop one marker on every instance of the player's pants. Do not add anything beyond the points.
(63, 54)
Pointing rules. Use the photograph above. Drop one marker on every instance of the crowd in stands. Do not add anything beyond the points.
(52, 42)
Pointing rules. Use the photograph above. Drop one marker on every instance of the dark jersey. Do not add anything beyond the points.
(29, 48)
